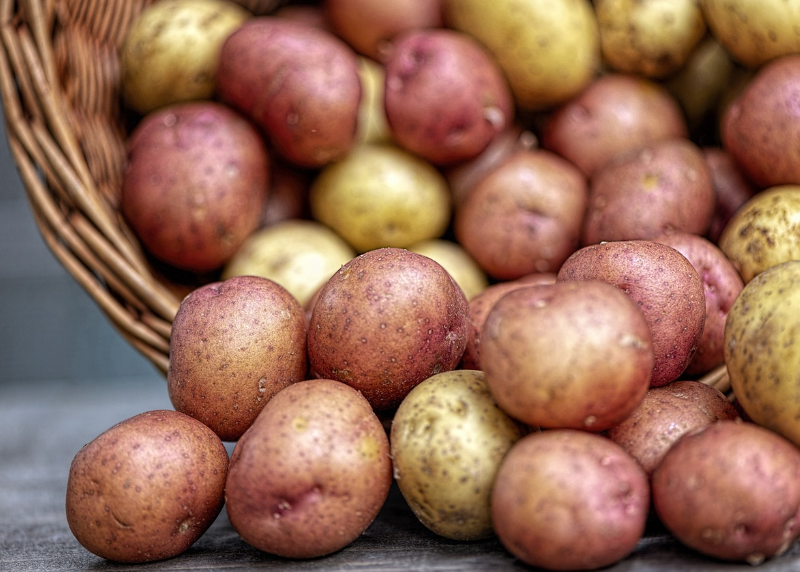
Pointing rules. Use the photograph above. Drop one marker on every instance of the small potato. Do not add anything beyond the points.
(288, 193)
(300, 255)
(615, 114)
(567, 355)
(565, 499)
(524, 216)
(664, 285)
(234, 345)
(196, 184)
(731, 188)
(754, 31)
(171, 51)
(448, 438)
(730, 490)
(312, 472)
(446, 97)
(661, 187)
(380, 195)
(548, 49)
(299, 83)
(665, 415)
(761, 351)
(147, 488)
(372, 124)
(460, 265)
(764, 232)
(651, 39)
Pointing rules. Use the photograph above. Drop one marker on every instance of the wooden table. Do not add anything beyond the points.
(44, 424)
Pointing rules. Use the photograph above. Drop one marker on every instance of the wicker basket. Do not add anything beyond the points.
(59, 69)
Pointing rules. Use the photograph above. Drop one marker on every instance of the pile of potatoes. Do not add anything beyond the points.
(497, 253)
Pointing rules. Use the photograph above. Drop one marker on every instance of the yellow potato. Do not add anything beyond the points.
(652, 38)
(548, 49)
(379, 195)
(372, 125)
(461, 266)
(754, 31)
(448, 438)
(300, 255)
(764, 232)
(761, 350)
(171, 51)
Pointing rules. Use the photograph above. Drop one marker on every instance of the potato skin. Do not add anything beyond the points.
(195, 184)
(386, 321)
(665, 286)
(666, 414)
(448, 437)
(570, 354)
(566, 499)
(311, 473)
(234, 345)
(731, 491)
(147, 488)
(761, 351)
(299, 83)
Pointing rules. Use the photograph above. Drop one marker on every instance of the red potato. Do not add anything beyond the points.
(731, 188)
(662, 187)
(445, 96)
(524, 216)
(664, 285)
(615, 114)
(299, 83)
(195, 185)
(370, 25)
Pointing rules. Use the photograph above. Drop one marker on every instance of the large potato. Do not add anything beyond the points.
(570, 354)
(569, 500)
(650, 39)
(754, 31)
(761, 350)
(448, 437)
(731, 490)
(171, 51)
(147, 488)
(299, 83)
(235, 344)
(548, 49)
(311, 473)
(764, 232)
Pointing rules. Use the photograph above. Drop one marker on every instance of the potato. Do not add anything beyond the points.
(385, 322)
(480, 305)
(448, 437)
(234, 345)
(731, 188)
(288, 193)
(170, 53)
(761, 351)
(261, 7)
(567, 355)
(380, 195)
(524, 216)
(764, 231)
(370, 25)
(661, 187)
(721, 286)
(195, 184)
(664, 285)
(461, 266)
(311, 473)
(615, 114)
(446, 97)
(298, 254)
(569, 500)
(651, 39)
(372, 124)
(758, 124)
(548, 49)
(666, 414)
(298, 82)
(731, 491)
(147, 488)
(754, 31)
